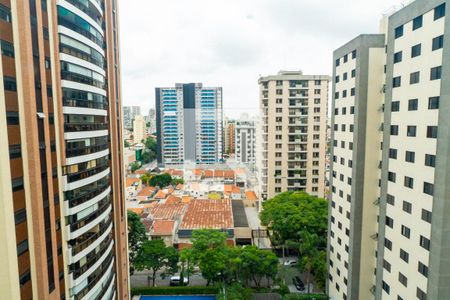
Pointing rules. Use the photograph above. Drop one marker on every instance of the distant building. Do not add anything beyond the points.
(294, 124)
(245, 142)
(139, 129)
(151, 119)
(229, 137)
(189, 124)
(129, 112)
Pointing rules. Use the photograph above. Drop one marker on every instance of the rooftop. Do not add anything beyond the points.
(132, 182)
(167, 211)
(215, 214)
(163, 227)
(250, 195)
(147, 191)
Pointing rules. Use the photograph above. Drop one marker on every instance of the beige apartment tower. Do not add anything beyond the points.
(390, 175)
(294, 124)
(139, 129)
(62, 215)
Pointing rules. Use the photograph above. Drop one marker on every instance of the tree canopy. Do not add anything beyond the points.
(136, 236)
(290, 213)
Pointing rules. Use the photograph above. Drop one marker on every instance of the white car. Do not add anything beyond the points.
(291, 262)
(175, 280)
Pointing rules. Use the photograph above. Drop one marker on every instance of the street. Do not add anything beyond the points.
(139, 279)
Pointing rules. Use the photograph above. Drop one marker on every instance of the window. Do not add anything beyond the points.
(413, 104)
(433, 102)
(408, 182)
(353, 73)
(402, 278)
(396, 81)
(407, 206)
(22, 247)
(336, 95)
(20, 216)
(7, 49)
(410, 156)
(337, 62)
(428, 188)
(423, 269)
(390, 199)
(344, 93)
(411, 130)
(352, 92)
(426, 215)
(345, 58)
(9, 83)
(398, 32)
(424, 243)
(336, 79)
(344, 76)
(389, 222)
(417, 22)
(397, 57)
(391, 176)
(430, 160)
(386, 265)
(352, 110)
(393, 153)
(404, 255)
(406, 232)
(394, 129)
(395, 106)
(435, 73)
(432, 132)
(421, 295)
(416, 50)
(437, 43)
(386, 287)
(439, 11)
(388, 244)
(5, 13)
(414, 77)
(353, 54)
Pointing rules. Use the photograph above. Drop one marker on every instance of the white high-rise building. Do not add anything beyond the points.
(390, 172)
(293, 126)
(245, 141)
(189, 124)
(139, 129)
(129, 112)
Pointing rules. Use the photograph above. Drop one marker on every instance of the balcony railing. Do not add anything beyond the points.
(67, 75)
(88, 238)
(103, 206)
(87, 173)
(82, 31)
(81, 54)
(85, 150)
(91, 259)
(78, 4)
(71, 127)
(75, 200)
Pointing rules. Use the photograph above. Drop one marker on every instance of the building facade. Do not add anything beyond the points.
(294, 123)
(245, 141)
(139, 129)
(390, 187)
(229, 136)
(61, 192)
(189, 124)
(151, 118)
(129, 113)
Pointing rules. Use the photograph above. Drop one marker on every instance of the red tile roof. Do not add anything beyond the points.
(228, 174)
(131, 181)
(147, 191)
(163, 227)
(218, 173)
(160, 195)
(208, 173)
(209, 213)
(172, 200)
(167, 211)
(250, 195)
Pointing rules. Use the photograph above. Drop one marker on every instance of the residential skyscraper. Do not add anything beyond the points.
(189, 124)
(294, 124)
(129, 113)
(62, 220)
(152, 120)
(390, 172)
(229, 136)
(245, 137)
(139, 129)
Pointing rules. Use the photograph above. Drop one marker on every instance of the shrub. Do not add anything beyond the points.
(305, 297)
(177, 290)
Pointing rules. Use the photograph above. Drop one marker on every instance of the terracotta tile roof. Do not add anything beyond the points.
(140, 172)
(149, 205)
(173, 200)
(228, 174)
(167, 211)
(177, 173)
(162, 227)
(236, 190)
(198, 172)
(215, 214)
(186, 199)
(180, 186)
(227, 188)
(208, 173)
(218, 173)
(250, 195)
(132, 181)
(136, 210)
(147, 191)
(147, 223)
(160, 195)
(170, 190)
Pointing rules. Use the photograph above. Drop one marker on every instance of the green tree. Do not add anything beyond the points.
(235, 291)
(161, 180)
(290, 213)
(154, 256)
(319, 267)
(126, 144)
(136, 236)
(176, 181)
(150, 148)
(145, 178)
(134, 166)
(308, 254)
(258, 264)
(187, 264)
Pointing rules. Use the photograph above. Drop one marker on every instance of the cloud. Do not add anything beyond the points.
(229, 43)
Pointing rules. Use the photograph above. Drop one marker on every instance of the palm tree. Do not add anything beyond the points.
(308, 251)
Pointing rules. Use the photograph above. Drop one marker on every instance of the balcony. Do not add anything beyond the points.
(85, 150)
(87, 173)
(89, 238)
(74, 127)
(88, 224)
(75, 77)
(94, 16)
(102, 207)
(101, 286)
(87, 194)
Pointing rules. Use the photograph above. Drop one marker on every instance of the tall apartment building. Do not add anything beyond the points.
(139, 129)
(245, 141)
(229, 136)
(390, 200)
(129, 113)
(294, 125)
(62, 221)
(189, 124)
(151, 118)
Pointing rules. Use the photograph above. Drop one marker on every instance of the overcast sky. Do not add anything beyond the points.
(230, 43)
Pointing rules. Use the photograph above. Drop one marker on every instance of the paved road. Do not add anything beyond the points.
(139, 279)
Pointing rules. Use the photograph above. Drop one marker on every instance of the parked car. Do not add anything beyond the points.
(175, 280)
(299, 285)
(291, 262)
